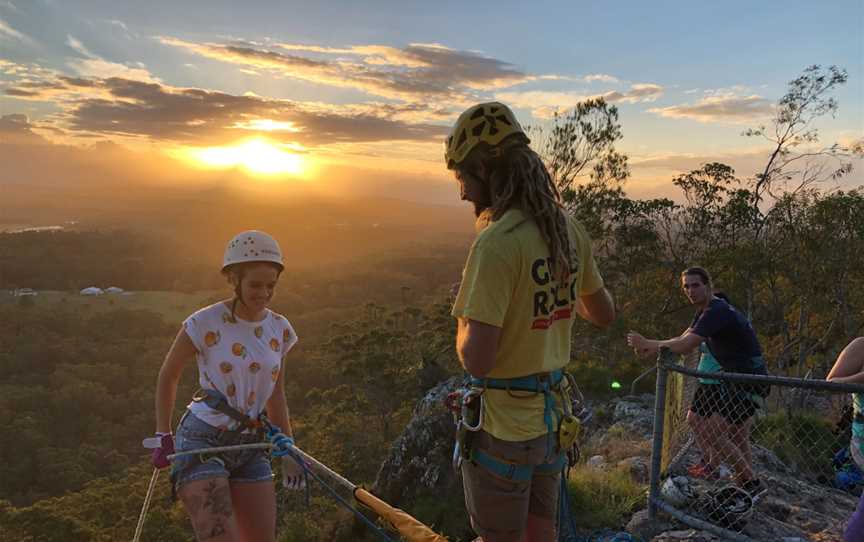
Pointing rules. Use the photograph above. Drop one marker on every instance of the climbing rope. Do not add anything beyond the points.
(215, 449)
(146, 505)
(300, 457)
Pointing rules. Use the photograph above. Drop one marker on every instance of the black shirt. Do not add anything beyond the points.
(729, 336)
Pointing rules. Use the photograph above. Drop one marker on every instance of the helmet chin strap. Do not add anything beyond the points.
(238, 296)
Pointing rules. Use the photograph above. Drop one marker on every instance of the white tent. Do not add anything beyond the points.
(22, 292)
(113, 290)
(92, 290)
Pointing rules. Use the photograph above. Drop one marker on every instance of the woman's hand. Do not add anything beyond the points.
(292, 474)
(159, 457)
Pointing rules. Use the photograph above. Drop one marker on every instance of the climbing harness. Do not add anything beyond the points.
(218, 402)
(467, 406)
(567, 423)
(544, 383)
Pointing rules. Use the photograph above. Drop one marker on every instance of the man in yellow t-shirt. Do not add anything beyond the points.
(530, 271)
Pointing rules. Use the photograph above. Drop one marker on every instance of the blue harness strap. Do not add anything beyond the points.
(538, 383)
(513, 471)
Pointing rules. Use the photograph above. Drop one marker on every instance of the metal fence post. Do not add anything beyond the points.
(657, 445)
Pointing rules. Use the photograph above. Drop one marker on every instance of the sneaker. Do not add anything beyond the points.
(702, 470)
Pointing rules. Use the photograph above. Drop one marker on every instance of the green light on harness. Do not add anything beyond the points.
(616, 385)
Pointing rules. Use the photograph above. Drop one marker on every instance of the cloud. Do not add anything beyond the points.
(117, 106)
(95, 66)
(544, 104)
(601, 77)
(16, 129)
(721, 108)
(7, 32)
(745, 162)
(418, 72)
(24, 72)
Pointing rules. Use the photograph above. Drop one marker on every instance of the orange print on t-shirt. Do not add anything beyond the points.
(212, 338)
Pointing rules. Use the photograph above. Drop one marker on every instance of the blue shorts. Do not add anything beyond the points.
(251, 465)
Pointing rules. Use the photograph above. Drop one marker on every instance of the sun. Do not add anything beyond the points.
(258, 156)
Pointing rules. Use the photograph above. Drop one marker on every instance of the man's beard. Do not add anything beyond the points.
(479, 208)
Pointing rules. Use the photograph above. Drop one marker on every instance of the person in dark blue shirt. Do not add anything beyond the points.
(729, 337)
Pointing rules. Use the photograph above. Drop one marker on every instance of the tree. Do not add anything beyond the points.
(580, 146)
(795, 156)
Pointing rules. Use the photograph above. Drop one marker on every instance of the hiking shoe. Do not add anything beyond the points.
(724, 472)
(703, 470)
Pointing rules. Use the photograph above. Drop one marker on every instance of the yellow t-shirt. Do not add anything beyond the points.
(507, 282)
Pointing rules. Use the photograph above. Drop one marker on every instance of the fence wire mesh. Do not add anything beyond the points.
(727, 444)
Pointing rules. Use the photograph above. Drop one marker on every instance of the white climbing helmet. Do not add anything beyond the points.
(677, 491)
(252, 246)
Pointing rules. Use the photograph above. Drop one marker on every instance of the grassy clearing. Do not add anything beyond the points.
(603, 498)
(173, 306)
(616, 444)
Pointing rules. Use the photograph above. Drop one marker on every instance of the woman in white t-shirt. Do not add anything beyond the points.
(240, 347)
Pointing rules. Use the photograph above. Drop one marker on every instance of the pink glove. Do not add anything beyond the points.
(166, 448)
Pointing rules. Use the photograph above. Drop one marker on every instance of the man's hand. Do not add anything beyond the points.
(641, 346)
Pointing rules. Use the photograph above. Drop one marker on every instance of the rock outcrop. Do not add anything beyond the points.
(419, 469)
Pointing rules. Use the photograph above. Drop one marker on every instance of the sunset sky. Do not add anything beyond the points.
(364, 92)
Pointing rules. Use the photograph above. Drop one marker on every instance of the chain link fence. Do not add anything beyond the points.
(724, 441)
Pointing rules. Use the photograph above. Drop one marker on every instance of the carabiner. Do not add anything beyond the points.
(467, 399)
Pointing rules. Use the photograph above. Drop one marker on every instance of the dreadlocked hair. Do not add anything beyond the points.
(518, 178)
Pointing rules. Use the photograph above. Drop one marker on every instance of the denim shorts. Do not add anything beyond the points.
(252, 465)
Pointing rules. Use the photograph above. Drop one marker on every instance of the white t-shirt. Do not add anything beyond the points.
(240, 359)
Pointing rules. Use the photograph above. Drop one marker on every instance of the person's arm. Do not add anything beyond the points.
(277, 413)
(686, 342)
(597, 308)
(277, 405)
(849, 367)
(476, 345)
(178, 357)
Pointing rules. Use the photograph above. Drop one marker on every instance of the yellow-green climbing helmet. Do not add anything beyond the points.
(487, 122)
